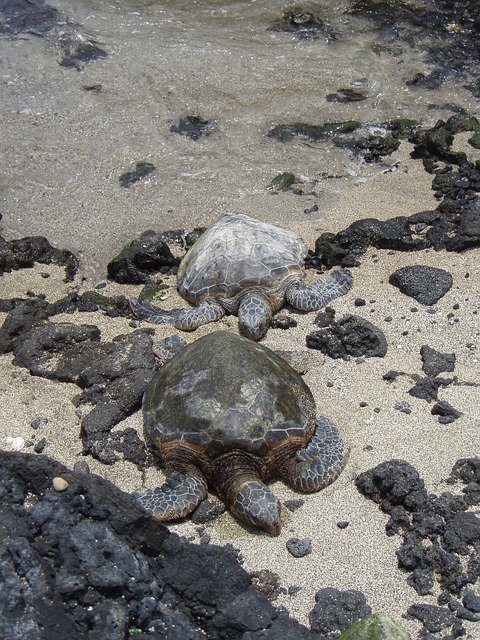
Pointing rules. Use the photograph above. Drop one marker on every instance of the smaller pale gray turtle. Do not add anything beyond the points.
(250, 268)
(228, 413)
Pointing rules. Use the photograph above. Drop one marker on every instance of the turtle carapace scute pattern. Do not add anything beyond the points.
(227, 413)
(249, 268)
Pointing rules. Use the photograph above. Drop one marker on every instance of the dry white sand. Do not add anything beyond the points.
(360, 556)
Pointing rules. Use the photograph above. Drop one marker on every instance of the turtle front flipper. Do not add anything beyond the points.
(320, 463)
(317, 295)
(184, 319)
(179, 496)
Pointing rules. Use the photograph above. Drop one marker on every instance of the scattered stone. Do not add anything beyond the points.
(435, 362)
(343, 524)
(359, 302)
(348, 94)
(94, 88)
(312, 132)
(427, 388)
(194, 127)
(377, 626)
(426, 284)
(41, 421)
(40, 445)
(207, 511)
(462, 612)
(78, 52)
(436, 530)
(299, 547)
(141, 258)
(305, 22)
(28, 17)
(294, 504)
(25, 252)
(141, 171)
(311, 209)
(282, 182)
(337, 610)
(59, 484)
(446, 412)
(283, 322)
(293, 590)
(325, 317)
(433, 618)
(403, 406)
(350, 336)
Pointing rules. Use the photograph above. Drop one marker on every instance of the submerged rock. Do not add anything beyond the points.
(194, 127)
(142, 170)
(305, 21)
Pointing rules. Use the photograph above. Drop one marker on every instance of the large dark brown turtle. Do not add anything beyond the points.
(243, 266)
(228, 413)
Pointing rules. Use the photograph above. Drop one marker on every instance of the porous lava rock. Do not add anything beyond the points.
(143, 257)
(426, 284)
(441, 537)
(336, 610)
(435, 362)
(88, 562)
(25, 252)
(350, 336)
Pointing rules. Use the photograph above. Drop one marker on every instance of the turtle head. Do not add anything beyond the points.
(256, 505)
(254, 315)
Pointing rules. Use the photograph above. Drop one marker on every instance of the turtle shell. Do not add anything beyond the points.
(238, 252)
(224, 392)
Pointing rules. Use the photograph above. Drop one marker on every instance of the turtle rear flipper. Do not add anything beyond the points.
(317, 295)
(320, 463)
(179, 496)
(184, 319)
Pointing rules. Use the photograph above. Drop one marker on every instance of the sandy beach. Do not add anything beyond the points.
(62, 182)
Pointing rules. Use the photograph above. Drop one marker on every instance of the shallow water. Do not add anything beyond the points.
(65, 147)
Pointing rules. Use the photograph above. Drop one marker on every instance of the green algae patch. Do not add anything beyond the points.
(378, 626)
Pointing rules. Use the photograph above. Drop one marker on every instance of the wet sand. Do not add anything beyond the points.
(62, 182)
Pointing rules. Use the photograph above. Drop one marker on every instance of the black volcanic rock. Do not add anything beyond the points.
(426, 284)
(143, 257)
(25, 252)
(435, 362)
(336, 610)
(350, 336)
(89, 561)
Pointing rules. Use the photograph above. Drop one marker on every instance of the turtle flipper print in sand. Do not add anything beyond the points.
(228, 414)
(250, 268)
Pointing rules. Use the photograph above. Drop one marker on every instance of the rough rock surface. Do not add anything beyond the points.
(350, 336)
(336, 610)
(441, 538)
(145, 256)
(25, 252)
(426, 284)
(87, 560)
(435, 362)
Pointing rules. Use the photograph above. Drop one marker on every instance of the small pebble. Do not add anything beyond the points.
(343, 524)
(363, 404)
(59, 484)
(388, 319)
(293, 590)
(299, 547)
(100, 285)
(44, 274)
(403, 406)
(359, 302)
(41, 421)
(40, 445)
(294, 504)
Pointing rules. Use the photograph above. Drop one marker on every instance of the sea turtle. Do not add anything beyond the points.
(249, 268)
(228, 413)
